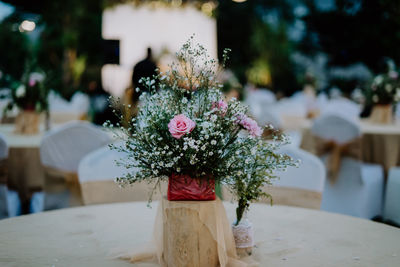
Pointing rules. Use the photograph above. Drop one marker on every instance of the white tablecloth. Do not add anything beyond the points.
(285, 236)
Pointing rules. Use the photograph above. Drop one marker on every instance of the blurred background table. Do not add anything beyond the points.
(288, 236)
(380, 142)
(25, 171)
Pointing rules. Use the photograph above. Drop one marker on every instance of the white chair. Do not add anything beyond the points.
(292, 111)
(63, 148)
(358, 190)
(97, 172)
(3, 187)
(300, 186)
(258, 101)
(392, 198)
(80, 102)
(342, 106)
(62, 111)
(292, 108)
(269, 115)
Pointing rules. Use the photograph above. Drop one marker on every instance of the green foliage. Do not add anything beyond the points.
(255, 170)
(14, 47)
(274, 49)
(70, 42)
(260, 51)
(357, 31)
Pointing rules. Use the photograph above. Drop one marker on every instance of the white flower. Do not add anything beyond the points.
(220, 151)
(378, 79)
(214, 118)
(211, 153)
(178, 169)
(184, 100)
(21, 91)
(36, 76)
(203, 147)
(388, 88)
(213, 142)
(207, 136)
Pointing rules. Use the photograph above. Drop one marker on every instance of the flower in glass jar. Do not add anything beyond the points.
(250, 125)
(180, 125)
(21, 91)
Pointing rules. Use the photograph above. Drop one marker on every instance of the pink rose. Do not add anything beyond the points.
(32, 82)
(250, 125)
(180, 125)
(220, 105)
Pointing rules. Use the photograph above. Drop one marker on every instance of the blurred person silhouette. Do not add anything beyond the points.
(143, 69)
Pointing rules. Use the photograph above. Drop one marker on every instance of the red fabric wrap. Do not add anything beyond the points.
(183, 187)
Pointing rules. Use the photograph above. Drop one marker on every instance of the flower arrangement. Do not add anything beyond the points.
(30, 94)
(186, 129)
(385, 88)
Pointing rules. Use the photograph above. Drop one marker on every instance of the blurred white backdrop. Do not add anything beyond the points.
(163, 29)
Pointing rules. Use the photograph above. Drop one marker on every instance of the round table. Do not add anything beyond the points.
(285, 236)
(25, 171)
(380, 142)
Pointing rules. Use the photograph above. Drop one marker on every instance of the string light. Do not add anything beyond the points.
(27, 26)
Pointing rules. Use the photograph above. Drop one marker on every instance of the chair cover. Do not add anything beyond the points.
(3, 147)
(304, 184)
(392, 197)
(359, 187)
(97, 172)
(64, 147)
(259, 101)
(3, 178)
(62, 111)
(80, 102)
(291, 107)
(269, 115)
(342, 106)
(336, 127)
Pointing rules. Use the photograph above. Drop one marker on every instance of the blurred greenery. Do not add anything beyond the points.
(356, 31)
(14, 46)
(71, 42)
(260, 51)
(70, 47)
